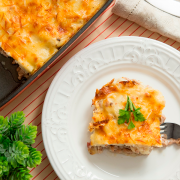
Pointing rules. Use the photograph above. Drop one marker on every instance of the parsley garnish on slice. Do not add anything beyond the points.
(131, 125)
(138, 116)
(125, 115)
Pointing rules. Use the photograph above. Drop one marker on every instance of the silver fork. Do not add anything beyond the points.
(171, 130)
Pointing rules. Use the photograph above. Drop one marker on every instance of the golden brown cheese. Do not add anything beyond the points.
(112, 97)
(31, 31)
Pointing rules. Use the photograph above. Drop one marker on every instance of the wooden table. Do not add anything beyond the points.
(31, 100)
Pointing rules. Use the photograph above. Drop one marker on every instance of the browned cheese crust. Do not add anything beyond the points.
(106, 133)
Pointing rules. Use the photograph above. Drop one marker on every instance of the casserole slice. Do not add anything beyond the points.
(106, 133)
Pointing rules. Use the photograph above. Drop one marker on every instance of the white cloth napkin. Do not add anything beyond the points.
(148, 16)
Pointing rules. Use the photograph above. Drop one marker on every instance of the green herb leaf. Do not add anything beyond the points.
(138, 116)
(134, 107)
(2, 148)
(127, 104)
(4, 144)
(124, 116)
(18, 153)
(4, 124)
(17, 119)
(4, 166)
(131, 125)
(20, 173)
(26, 134)
(34, 158)
(130, 105)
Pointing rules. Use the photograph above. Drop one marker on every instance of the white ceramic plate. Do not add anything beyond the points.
(67, 109)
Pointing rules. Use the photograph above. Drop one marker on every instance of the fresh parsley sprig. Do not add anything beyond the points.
(125, 115)
(16, 153)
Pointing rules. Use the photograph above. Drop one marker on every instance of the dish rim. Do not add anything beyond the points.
(7, 100)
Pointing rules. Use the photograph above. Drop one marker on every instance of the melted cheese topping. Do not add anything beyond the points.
(31, 31)
(112, 97)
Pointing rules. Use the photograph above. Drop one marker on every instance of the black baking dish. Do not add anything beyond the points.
(11, 87)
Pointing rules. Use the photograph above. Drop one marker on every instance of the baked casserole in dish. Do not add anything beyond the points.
(32, 31)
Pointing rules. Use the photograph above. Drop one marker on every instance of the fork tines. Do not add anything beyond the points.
(163, 128)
